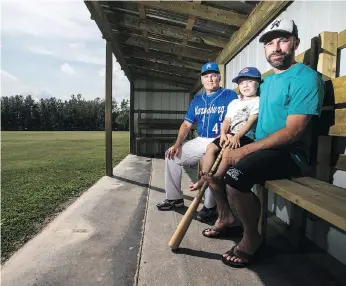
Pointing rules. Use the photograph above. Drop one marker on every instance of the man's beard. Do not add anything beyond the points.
(284, 63)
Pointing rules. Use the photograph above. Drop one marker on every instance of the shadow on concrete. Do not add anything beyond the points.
(198, 253)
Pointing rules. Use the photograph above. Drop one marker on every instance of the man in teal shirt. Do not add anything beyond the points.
(289, 98)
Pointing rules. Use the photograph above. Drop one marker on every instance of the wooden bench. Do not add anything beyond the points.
(317, 195)
(160, 125)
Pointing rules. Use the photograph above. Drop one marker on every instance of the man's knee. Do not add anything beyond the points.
(212, 148)
(234, 193)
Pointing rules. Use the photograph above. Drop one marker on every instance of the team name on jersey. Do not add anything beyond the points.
(211, 110)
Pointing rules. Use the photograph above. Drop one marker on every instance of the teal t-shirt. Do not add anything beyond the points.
(299, 90)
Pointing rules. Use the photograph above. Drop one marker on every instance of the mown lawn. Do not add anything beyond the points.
(42, 172)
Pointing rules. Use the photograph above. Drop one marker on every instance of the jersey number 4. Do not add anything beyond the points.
(216, 128)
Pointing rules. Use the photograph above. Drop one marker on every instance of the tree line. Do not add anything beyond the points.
(52, 114)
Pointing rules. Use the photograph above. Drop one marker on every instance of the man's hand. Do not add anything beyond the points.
(234, 142)
(173, 151)
(233, 156)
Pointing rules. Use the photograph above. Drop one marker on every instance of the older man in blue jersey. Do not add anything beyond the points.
(208, 111)
(290, 97)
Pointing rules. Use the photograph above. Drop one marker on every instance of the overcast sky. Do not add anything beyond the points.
(53, 48)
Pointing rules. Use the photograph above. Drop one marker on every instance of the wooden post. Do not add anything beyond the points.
(327, 67)
(223, 75)
(132, 118)
(108, 108)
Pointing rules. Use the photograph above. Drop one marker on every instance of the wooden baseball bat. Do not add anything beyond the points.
(188, 216)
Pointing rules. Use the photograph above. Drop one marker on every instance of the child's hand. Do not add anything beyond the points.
(196, 186)
(223, 139)
(234, 142)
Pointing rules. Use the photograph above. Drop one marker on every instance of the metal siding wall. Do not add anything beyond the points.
(312, 18)
(177, 101)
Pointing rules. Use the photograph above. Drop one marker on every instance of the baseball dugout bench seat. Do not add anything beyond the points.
(316, 196)
(161, 125)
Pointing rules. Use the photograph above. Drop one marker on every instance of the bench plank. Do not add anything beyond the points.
(324, 206)
(323, 187)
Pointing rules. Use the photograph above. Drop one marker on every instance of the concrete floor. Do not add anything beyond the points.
(198, 262)
(95, 241)
(114, 235)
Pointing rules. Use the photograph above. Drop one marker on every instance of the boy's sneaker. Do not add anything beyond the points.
(169, 204)
(206, 214)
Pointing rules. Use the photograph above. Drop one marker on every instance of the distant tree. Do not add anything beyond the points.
(24, 113)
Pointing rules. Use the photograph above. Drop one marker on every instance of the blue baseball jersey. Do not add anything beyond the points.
(209, 111)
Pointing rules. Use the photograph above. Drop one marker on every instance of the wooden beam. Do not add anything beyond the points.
(265, 12)
(160, 90)
(167, 60)
(200, 11)
(167, 30)
(327, 59)
(154, 75)
(170, 48)
(339, 128)
(132, 118)
(163, 68)
(190, 23)
(142, 16)
(108, 109)
(166, 74)
(103, 24)
(223, 75)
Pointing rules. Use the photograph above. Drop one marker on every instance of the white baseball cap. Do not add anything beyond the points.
(285, 26)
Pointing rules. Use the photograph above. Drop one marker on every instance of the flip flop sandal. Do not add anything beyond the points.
(247, 258)
(225, 231)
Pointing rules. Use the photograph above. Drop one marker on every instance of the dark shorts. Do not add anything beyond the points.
(261, 166)
(243, 141)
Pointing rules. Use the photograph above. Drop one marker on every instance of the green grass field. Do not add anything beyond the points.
(42, 172)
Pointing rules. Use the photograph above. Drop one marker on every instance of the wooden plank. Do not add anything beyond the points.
(163, 68)
(151, 75)
(104, 26)
(108, 108)
(161, 90)
(328, 189)
(170, 48)
(265, 12)
(327, 59)
(167, 60)
(342, 40)
(341, 163)
(180, 78)
(223, 75)
(339, 129)
(326, 207)
(200, 11)
(160, 111)
(167, 30)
